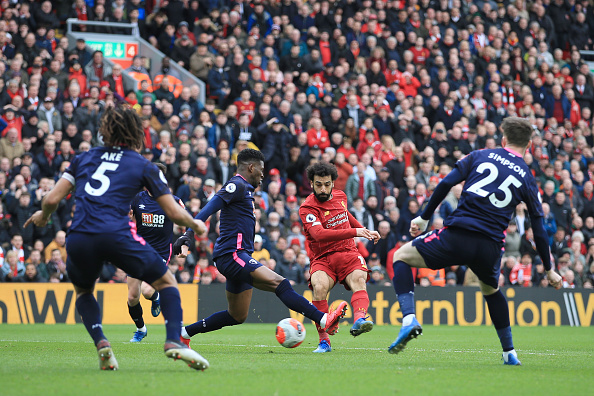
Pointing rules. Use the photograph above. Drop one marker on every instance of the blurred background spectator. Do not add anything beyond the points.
(392, 92)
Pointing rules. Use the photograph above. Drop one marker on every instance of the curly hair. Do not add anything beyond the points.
(248, 155)
(321, 169)
(121, 126)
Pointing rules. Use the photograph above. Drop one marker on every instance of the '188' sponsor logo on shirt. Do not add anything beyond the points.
(153, 220)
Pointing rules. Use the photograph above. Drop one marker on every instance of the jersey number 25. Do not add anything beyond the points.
(477, 188)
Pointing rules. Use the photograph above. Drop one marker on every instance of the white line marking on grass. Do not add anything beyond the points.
(545, 353)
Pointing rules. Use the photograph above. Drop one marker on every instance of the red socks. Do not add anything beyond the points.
(360, 303)
(323, 307)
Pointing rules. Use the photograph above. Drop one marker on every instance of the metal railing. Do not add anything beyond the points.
(73, 21)
(145, 49)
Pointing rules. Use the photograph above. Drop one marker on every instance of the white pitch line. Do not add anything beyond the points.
(280, 346)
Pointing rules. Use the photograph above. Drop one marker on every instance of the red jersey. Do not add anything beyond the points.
(329, 226)
(246, 108)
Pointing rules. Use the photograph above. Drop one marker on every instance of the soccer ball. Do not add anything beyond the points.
(290, 333)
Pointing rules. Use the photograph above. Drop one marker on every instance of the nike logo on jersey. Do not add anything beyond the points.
(141, 206)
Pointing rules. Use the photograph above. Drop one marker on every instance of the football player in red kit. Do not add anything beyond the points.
(330, 230)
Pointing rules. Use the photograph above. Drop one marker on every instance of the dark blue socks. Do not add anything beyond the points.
(89, 310)
(499, 312)
(213, 322)
(172, 312)
(296, 302)
(404, 285)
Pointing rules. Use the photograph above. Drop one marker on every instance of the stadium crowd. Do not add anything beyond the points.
(391, 92)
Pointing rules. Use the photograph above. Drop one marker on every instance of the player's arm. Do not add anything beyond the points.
(50, 203)
(214, 205)
(353, 221)
(419, 224)
(541, 238)
(312, 224)
(541, 241)
(355, 224)
(178, 215)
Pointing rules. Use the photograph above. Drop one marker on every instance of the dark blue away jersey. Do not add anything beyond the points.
(152, 224)
(106, 179)
(238, 218)
(496, 182)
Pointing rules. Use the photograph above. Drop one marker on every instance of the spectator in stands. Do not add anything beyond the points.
(58, 243)
(10, 146)
(289, 268)
(12, 268)
(57, 266)
(98, 67)
(436, 84)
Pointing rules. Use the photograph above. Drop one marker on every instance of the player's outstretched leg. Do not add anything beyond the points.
(238, 305)
(499, 312)
(329, 322)
(267, 280)
(404, 287)
(214, 322)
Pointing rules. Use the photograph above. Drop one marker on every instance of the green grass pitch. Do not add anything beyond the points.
(247, 360)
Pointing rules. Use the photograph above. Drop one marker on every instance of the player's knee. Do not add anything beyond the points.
(320, 291)
(400, 255)
(239, 317)
(133, 300)
(407, 254)
(487, 290)
(360, 283)
(80, 291)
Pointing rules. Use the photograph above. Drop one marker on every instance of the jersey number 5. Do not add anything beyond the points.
(477, 188)
(100, 176)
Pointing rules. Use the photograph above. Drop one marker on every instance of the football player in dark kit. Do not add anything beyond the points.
(105, 180)
(496, 181)
(153, 225)
(233, 249)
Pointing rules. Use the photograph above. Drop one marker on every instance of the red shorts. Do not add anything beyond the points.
(338, 265)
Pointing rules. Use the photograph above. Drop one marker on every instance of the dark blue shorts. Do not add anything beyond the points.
(455, 246)
(88, 252)
(237, 268)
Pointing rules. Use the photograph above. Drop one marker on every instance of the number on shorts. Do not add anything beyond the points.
(477, 188)
(100, 176)
(363, 263)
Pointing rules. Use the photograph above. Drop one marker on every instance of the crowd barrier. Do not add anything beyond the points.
(51, 303)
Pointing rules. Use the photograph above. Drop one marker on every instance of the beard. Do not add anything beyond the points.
(322, 197)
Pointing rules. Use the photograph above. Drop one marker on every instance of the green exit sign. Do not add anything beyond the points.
(109, 49)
